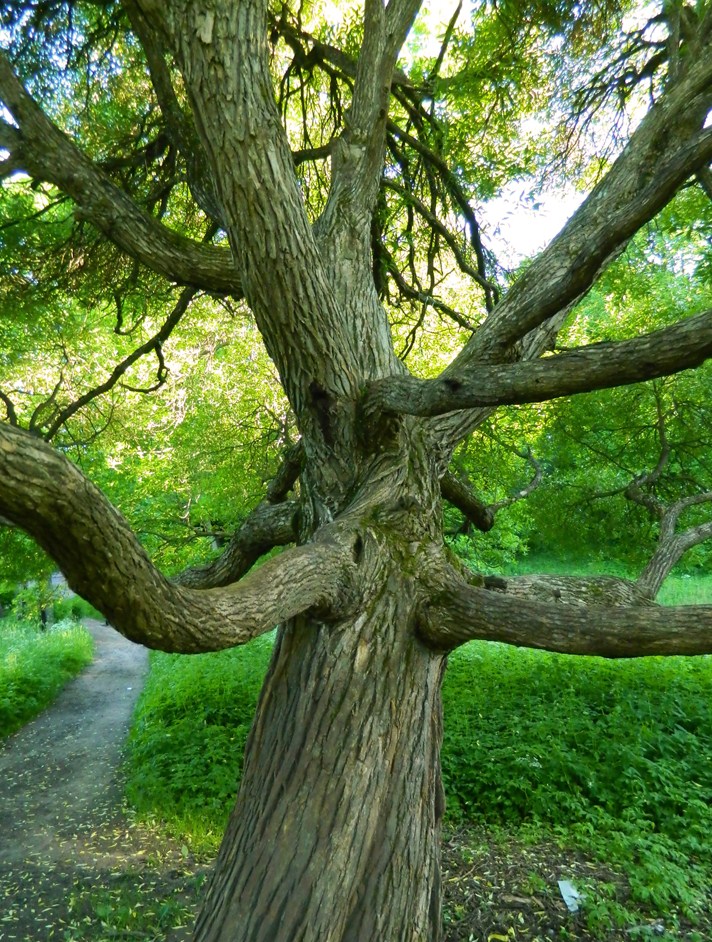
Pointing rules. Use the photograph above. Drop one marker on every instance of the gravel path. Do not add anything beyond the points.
(66, 844)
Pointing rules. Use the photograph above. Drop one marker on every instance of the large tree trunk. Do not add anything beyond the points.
(335, 835)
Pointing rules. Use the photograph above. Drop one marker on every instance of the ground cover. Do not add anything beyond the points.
(34, 666)
(595, 769)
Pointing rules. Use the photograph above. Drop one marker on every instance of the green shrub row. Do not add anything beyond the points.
(35, 665)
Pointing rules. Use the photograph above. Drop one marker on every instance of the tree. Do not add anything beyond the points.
(336, 830)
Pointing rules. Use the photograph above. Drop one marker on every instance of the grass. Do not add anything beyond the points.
(614, 757)
(35, 665)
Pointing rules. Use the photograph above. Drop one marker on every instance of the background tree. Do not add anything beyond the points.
(262, 154)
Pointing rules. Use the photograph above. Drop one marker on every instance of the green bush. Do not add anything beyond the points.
(188, 736)
(616, 756)
(35, 665)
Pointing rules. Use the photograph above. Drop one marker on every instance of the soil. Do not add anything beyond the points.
(75, 866)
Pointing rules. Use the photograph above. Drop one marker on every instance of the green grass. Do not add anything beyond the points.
(35, 665)
(614, 757)
(686, 590)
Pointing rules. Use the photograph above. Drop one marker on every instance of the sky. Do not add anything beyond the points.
(514, 229)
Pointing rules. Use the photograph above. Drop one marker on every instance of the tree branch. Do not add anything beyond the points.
(9, 408)
(271, 523)
(525, 491)
(602, 365)
(459, 495)
(225, 64)
(153, 344)
(357, 156)
(669, 145)
(457, 613)
(671, 545)
(180, 129)
(49, 497)
(46, 153)
(265, 527)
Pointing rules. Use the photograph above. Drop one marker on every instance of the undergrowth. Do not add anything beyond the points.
(35, 665)
(614, 757)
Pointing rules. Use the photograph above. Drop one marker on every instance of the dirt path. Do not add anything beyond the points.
(66, 845)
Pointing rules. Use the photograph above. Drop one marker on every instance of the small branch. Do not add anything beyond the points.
(152, 345)
(9, 408)
(265, 527)
(459, 495)
(671, 545)
(602, 365)
(525, 491)
(704, 178)
(270, 524)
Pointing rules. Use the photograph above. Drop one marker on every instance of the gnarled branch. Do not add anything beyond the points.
(475, 510)
(46, 153)
(271, 523)
(459, 495)
(49, 497)
(598, 366)
(668, 147)
(458, 612)
(265, 527)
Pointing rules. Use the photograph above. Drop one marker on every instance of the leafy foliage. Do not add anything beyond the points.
(35, 665)
(188, 736)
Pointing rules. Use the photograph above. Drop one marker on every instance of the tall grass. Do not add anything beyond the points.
(35, 665)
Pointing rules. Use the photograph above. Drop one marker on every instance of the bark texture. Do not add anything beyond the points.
(335, 835)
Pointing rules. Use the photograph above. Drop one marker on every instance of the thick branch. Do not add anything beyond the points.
(179, 127)
(267, 526)
(50, 498)
(671, 545)
(666, 149)
(225, 64)
(458, 613)
(460, 496)
(46, 153)
(598, 366)
(271, 523)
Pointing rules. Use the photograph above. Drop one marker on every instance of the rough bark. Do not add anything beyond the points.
(574, 590)
(598, 366)
(335, 835)
(46, 495)
(458, 612)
